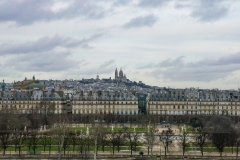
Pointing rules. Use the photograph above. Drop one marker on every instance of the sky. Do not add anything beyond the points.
(165, 43)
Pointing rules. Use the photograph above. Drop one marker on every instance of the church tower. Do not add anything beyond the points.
(116, 74)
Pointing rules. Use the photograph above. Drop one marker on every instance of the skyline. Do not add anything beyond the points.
(162, 43)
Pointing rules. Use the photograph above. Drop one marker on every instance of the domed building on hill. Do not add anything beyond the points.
(120, 76)
(28, 84)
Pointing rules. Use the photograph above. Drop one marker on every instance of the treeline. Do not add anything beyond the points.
(22, 130)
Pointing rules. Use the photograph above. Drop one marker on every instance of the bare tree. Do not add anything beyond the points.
(165, 139)
(44, 140)
(19, 138)
(7, 122)
(60, 131)
(234, 135)
(120, 139)
(182, 141)
(111, 137)
(151, 138)
(5, 135)
(201, 137)
(34, 138)
(132, 138)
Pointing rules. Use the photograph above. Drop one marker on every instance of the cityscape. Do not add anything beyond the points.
(136, 113)
(119, 79)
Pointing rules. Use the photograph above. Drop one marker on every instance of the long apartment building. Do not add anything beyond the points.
(194, 102)
(161, 101)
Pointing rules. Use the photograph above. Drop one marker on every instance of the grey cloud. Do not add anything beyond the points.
(179, 61)
(152, 3)
(141, 21)
(210, 10)
(203, 70)
(121, 2)
(27, 12)
(222, 61)
(46, 44)
(106, 67)
(46, 62)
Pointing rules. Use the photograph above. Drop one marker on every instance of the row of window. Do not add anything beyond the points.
(194, 107)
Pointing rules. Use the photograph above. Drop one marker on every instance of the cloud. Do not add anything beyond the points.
(103, 68)
(204, 70)
(121, 2)
(91, 69)
(209, 10)
(141, 21)
(152, 3)
(47, 43)
(46, 62)
(26, 12)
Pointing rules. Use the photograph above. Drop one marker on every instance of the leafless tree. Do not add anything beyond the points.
(165, 138)
(151, 138)
(120, 139)
(60, 132)
(234, 135)
(133, 139)
(34, 140)
(182, 141)
(45, 139)
(5, 135)
(201, 137)
(111, 137)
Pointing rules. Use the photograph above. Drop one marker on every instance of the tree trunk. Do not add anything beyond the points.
(95, 149)
(165, 149)
(4, 149)
(103, 148)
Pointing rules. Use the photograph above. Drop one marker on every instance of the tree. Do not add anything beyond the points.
(73, 140)
(132, 138)
(111, 137)
(7, 122)
(34, 139)
(19, 138)
(220, 128)
(120, 139)
(60, 131)
(4, 137)
(182, 141)
(151, 138)
(103, 139)
(165, 139)
(201, 138)
(196, 122)
(232, 138)
(44, 140)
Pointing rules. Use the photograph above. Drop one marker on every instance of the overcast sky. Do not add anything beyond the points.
(176, 43)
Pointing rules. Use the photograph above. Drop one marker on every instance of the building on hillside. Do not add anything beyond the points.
(28, 84)
(120, 76)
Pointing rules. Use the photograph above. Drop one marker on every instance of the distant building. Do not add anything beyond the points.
(120, 76)
(28, 84)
